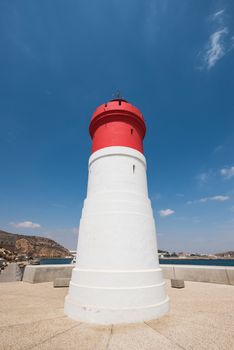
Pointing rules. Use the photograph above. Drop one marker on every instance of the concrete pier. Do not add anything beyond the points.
(200, 273)
(32, 317)
(46, 273)
(209, 274)
(11, 273)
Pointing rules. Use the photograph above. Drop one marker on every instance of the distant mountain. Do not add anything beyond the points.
(226, 254)
(32, 246)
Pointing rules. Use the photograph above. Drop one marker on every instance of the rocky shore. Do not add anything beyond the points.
(14, 247)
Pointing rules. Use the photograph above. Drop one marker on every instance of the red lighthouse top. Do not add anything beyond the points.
(117, 123)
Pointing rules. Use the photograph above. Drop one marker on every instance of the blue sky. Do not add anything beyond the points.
(172, 59)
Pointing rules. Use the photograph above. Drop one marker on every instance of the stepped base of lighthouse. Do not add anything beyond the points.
(112, 297)
(117, 278)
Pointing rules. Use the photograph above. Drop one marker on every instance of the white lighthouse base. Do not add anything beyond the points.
(106, 297)
(115, 316)
(117, 278)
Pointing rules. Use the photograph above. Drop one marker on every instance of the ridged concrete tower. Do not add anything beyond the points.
(117, 278)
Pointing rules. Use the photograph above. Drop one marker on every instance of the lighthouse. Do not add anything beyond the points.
(117, 277)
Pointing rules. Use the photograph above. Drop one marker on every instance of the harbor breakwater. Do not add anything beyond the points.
(209, 274)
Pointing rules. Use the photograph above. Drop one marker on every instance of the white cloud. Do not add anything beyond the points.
(203, 200)
(219, 198)
(166, 212)
(219, 42)
(218, 149)
(227, 173)
(217, 15)
(215, 48)
(232, 42)
(203, 177)
(25, 224)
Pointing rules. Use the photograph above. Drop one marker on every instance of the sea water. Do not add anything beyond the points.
(209, 262)
(55, 261)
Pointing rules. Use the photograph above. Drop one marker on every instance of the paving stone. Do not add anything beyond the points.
(32, 318)
(82, 337)
(138, 337)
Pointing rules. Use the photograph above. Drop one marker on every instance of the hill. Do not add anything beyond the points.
(32, 246)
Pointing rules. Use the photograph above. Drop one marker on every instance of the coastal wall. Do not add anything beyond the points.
(11, 273)
(209, 274)
(201, 273)
(46, 273)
